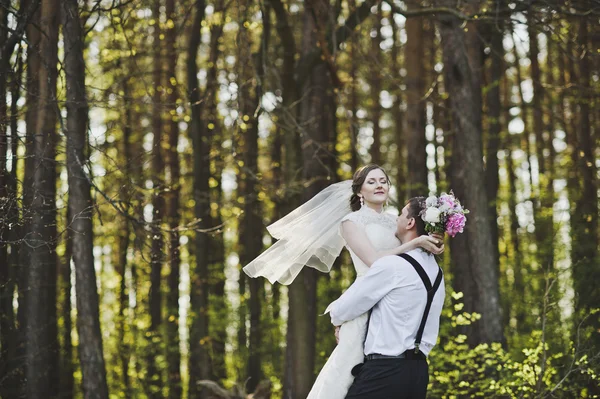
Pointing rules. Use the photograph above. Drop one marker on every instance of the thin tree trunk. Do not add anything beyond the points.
(317, 120)
(524, 112)
(542, 210)
(436, 111)
(494, 111)
(584, 221)
(81, 206)
(218, 299)
(398, 115)
(354, 124)
(375, 86)
(250, 232)
(275, 331)
(173, 214)
(41, 332)
(469, 179)
(518, 309)
(414, 120)
(137, 154)
(33, 62)
(66, 386)
(10, 337)
(474, 39)
(291, 163)
(514, 309)
(6, 297)
(124, 345)
(6, 293)
(199, 360)
(155, 377)
(124, 242)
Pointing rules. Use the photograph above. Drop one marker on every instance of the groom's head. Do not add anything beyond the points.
(410, 224)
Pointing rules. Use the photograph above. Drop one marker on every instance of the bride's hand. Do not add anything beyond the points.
(437, 236)
(433, 243)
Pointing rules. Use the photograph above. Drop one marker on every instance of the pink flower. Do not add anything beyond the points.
(448, 199)
(455, 224)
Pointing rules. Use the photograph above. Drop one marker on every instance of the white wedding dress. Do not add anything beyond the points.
(335, 378)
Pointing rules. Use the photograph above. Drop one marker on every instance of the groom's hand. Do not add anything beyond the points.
(337, 334)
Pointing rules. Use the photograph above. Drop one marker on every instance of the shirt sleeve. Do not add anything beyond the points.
(365, 292)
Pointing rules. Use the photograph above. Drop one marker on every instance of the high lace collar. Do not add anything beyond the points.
(370, 210)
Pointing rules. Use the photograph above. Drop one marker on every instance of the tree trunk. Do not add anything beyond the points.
(199, 360)
(41, 332)
(124, 240)
(584, 220)
(468, 181)
(6, 293)
(173, 213)
(524, 112)
(318, 121)
(291, 165)
(33, 62)
(474, 39)
(437, 117)
(9, 337)
(398, 115)
(292, 162)
(543, 204)
(513, 309)
(276, 338)
(154, 377)
(66, 386)
(250, 233)
(275, 334)
(414, 120)
(218, 299)
(494, 111)
(81, 207)
(6, 297)
(354, 124)
(375, 85)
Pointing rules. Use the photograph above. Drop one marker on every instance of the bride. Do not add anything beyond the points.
(351, 214)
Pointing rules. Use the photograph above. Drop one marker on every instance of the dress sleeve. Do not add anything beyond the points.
(354, 217)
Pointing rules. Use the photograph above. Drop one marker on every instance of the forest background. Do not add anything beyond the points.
(146, 144)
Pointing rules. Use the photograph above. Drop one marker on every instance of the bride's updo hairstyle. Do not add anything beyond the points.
(359, 179)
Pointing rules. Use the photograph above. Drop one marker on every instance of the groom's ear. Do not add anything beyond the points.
(411, 223)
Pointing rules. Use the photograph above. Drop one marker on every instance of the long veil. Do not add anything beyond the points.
(309, 235)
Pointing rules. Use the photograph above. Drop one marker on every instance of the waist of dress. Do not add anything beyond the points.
(409, 355)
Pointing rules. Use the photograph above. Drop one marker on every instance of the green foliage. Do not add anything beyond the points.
(490, 371)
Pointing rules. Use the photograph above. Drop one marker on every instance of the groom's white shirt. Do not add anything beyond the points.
(398, 297)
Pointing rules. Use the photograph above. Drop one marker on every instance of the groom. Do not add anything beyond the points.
(404, 296)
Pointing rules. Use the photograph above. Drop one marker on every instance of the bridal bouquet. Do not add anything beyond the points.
(444, 214)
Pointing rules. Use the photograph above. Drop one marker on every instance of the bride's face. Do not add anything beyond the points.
(375, 189)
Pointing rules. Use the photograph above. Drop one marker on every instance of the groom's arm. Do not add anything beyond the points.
(365, 292)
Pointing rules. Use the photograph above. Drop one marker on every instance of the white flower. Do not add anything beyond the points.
(445, 207)
(432, 215)
(431, 201)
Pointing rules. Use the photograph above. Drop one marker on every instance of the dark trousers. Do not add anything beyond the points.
(391, 379)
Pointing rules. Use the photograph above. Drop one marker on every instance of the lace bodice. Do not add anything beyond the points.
(380, 229)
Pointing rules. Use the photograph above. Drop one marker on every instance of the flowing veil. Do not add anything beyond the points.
(309, 235)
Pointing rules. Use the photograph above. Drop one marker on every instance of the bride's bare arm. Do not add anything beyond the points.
(359, 243)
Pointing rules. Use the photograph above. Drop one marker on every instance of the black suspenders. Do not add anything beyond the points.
(431, 290)
(430, 294)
